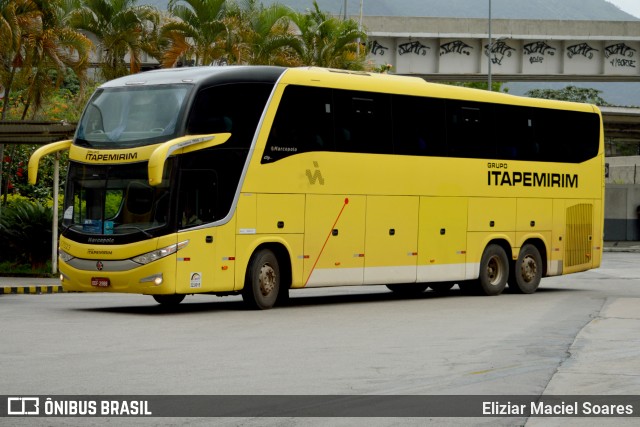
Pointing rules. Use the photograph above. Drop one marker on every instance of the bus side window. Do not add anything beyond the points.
(363, 122)
(303, 123)
(419, 126)
(467, 130)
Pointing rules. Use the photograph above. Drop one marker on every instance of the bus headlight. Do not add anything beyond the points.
(159, 253)
(64, 256)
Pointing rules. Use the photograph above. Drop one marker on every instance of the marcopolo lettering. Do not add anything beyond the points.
(96, 156)
(531, 179)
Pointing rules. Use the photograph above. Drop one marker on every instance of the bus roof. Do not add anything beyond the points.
(200, 75)
(339, 79)
(408, 85)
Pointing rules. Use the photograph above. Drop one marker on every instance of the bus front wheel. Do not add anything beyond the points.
(494, 270)
(527, 271)
(169, 300)
(262, 282)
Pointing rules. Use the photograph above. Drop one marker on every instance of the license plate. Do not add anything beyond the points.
(101, 282)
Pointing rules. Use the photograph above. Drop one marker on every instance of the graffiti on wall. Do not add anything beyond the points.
(499, 50)
(537, 51)
(619, 55)
(581, 49)
(415, 47)
(457, 47)
(376, 48)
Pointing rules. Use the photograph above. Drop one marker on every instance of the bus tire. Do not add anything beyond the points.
(494, 270)
(169, 300)
(408, 289)
(527, 272)
(262, 282)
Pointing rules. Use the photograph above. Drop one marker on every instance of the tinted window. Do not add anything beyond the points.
(304, 122)
(363, 122)
(418, 126)
(312, 119)
(234, 108)
(468, 127)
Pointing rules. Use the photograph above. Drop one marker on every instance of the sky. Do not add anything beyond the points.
(629, 6)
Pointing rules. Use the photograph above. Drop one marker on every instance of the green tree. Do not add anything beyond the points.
(18, 21)
(123, 28)
(328, 41)
(25, 229)
(570, 93)
(198, 31)
(53, 46)
(268, 37)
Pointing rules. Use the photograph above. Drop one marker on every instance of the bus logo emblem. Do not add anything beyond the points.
(316, 176)
(99, 265)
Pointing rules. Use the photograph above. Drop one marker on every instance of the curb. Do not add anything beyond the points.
(34, 290)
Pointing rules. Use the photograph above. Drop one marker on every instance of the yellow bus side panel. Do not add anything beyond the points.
(492, 214)
(442, 245)
(334, 254)
(554, 264)
(207, 263)
(280, 213)
(247, 213)
(598, 233)
(391, 243)
(195, 262)
(534, 215)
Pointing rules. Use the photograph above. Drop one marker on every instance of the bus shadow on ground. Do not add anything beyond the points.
(204, 303)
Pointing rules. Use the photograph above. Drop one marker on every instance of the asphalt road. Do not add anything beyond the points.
(579, 334)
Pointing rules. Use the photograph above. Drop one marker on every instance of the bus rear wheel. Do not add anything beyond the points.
(169, 300)
(527, 272)
(494, 270)
(262, 282)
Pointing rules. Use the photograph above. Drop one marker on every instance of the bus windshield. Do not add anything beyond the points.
(115, 200)
(131, 116)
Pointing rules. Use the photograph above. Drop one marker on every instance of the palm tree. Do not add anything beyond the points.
(18, 19)
(121, 26)
(329, 42)
(54, 46)
(198, 33)
(270, 39)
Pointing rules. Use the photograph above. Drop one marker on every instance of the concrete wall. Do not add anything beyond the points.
(620, 212)
(518, 48)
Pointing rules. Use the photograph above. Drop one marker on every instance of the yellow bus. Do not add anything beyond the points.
(256, 180)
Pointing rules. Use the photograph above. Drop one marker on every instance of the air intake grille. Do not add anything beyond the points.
(579, 232)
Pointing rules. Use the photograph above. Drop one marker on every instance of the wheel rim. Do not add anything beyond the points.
(494, 270)
(529, 269)
(267, 279)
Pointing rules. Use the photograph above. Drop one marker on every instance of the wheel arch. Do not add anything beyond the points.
(502, 242)
(541, 246)
(282, 253)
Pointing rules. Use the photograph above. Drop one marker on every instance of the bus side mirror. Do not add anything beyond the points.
(182, 145)
(34, 160)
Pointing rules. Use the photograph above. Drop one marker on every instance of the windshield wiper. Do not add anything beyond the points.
(146, 233)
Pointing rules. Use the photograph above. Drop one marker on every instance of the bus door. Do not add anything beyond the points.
(197, 197)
